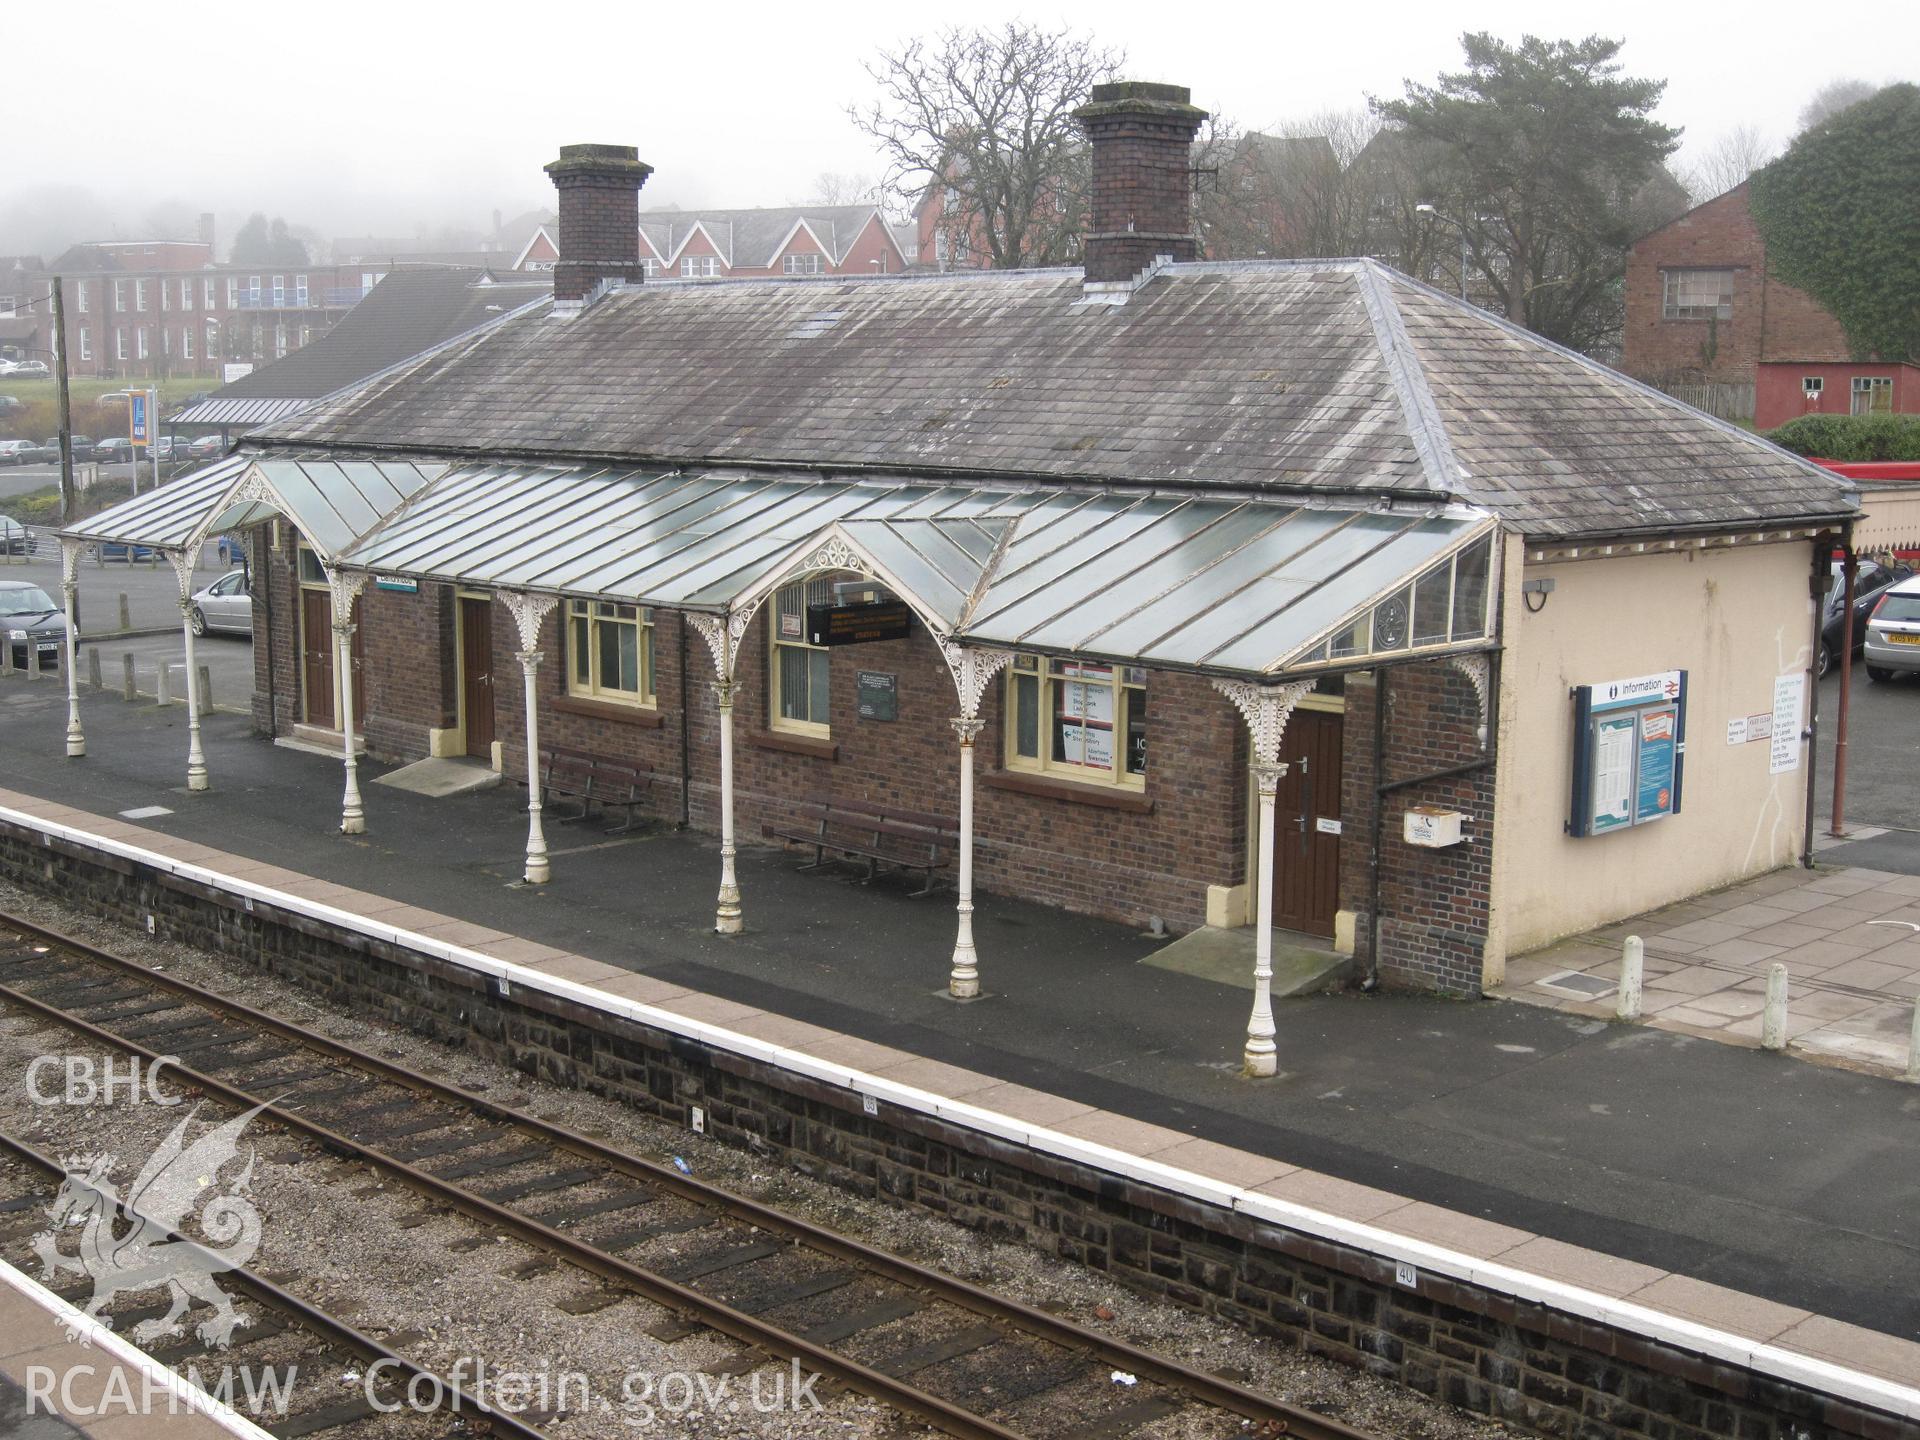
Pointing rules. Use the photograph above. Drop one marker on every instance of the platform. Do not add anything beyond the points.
(56, 1388)
(1652, 1173)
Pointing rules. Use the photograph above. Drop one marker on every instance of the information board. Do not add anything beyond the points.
(879, 696)
(1629, 752)
(858, 624)
(1789, 694)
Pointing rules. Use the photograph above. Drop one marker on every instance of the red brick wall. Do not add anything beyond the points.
(599, 218)
(1119, 864)
(1433, 903)
(1770, 321)
(1780, 391)
(1140, 201)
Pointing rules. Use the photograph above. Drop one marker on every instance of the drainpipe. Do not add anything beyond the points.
(1489, 753)
(686, 744)
(1851, 569)
(1817, 584)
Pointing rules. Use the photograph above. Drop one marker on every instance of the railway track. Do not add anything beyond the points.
(969, 1362)
(283, 1338)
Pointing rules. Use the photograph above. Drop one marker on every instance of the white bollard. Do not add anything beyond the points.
(163, 684)
(1773, 1021)
(1913, 1046)
(1633, 959)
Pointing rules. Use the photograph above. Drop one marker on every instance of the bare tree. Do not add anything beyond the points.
(1833, 97)
(1293, 191)
(987, 114)
(1728, 162)
(831, 188)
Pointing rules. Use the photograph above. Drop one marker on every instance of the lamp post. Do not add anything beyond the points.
(1429, 210)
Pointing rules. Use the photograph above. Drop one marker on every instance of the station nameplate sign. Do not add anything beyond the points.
(858, 624)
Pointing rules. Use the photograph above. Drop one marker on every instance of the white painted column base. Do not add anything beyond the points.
(353, 816)
(1262, 1058)
(727, 919)
(539, 869)
(963, 981)
(69, 589)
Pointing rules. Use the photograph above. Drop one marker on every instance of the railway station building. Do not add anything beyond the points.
(1281, 596)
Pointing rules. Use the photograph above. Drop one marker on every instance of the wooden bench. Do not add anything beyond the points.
(591, 780)
(873, 832)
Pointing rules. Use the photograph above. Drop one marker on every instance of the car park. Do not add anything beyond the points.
(1893, 632)
(224, 607)
(31, 621)
(1872, 580)
(15, 538)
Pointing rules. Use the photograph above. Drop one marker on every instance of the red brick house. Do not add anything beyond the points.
(772, 241)
(1787, 389)
(1702, 308)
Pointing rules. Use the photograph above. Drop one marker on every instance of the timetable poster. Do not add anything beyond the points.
(1613, 743)
(1659, 734)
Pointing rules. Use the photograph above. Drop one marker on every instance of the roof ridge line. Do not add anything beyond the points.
(1424, 425)
(1646, 391)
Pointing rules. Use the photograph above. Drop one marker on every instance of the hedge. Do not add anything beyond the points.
(1852, 437)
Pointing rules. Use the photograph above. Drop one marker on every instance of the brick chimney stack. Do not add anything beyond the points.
(599, 188)
(1142, 138)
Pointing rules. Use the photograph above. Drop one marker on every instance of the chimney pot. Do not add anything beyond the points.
(599, 205)
(1141, 207)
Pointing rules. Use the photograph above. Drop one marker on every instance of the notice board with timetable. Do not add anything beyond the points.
(1629, 752)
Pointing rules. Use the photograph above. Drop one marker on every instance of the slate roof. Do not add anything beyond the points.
(1337, 377)
(411, 310)
(751, 238)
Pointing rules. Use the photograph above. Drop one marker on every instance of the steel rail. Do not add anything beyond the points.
(1197, 1384)
(331, 1326)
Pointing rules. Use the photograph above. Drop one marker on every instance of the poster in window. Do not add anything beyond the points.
(1659, 730)
(1613, 745)
(1092, 703)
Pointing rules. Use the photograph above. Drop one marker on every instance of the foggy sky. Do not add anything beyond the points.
(404, 117)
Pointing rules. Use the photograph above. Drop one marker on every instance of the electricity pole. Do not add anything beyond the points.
(67, 502)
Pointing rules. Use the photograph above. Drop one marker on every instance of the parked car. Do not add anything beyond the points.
(9, 402)
(31, 619)
(112, 550)
(19, 452)
(15, 538)
(1893, 632)
(171, 448)
(207, 447)
(30, 369)
(224, 606)
(1871, 582)
(114, 450)
(82, 449)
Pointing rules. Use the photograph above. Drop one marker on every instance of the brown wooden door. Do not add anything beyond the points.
(1306, 851)
(316, 656)
(476, 675)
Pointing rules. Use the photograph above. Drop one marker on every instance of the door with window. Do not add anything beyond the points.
(1306, 828)
(476, 675)
(316, 657)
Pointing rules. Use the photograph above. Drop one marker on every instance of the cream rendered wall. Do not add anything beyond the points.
(1733, 618)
